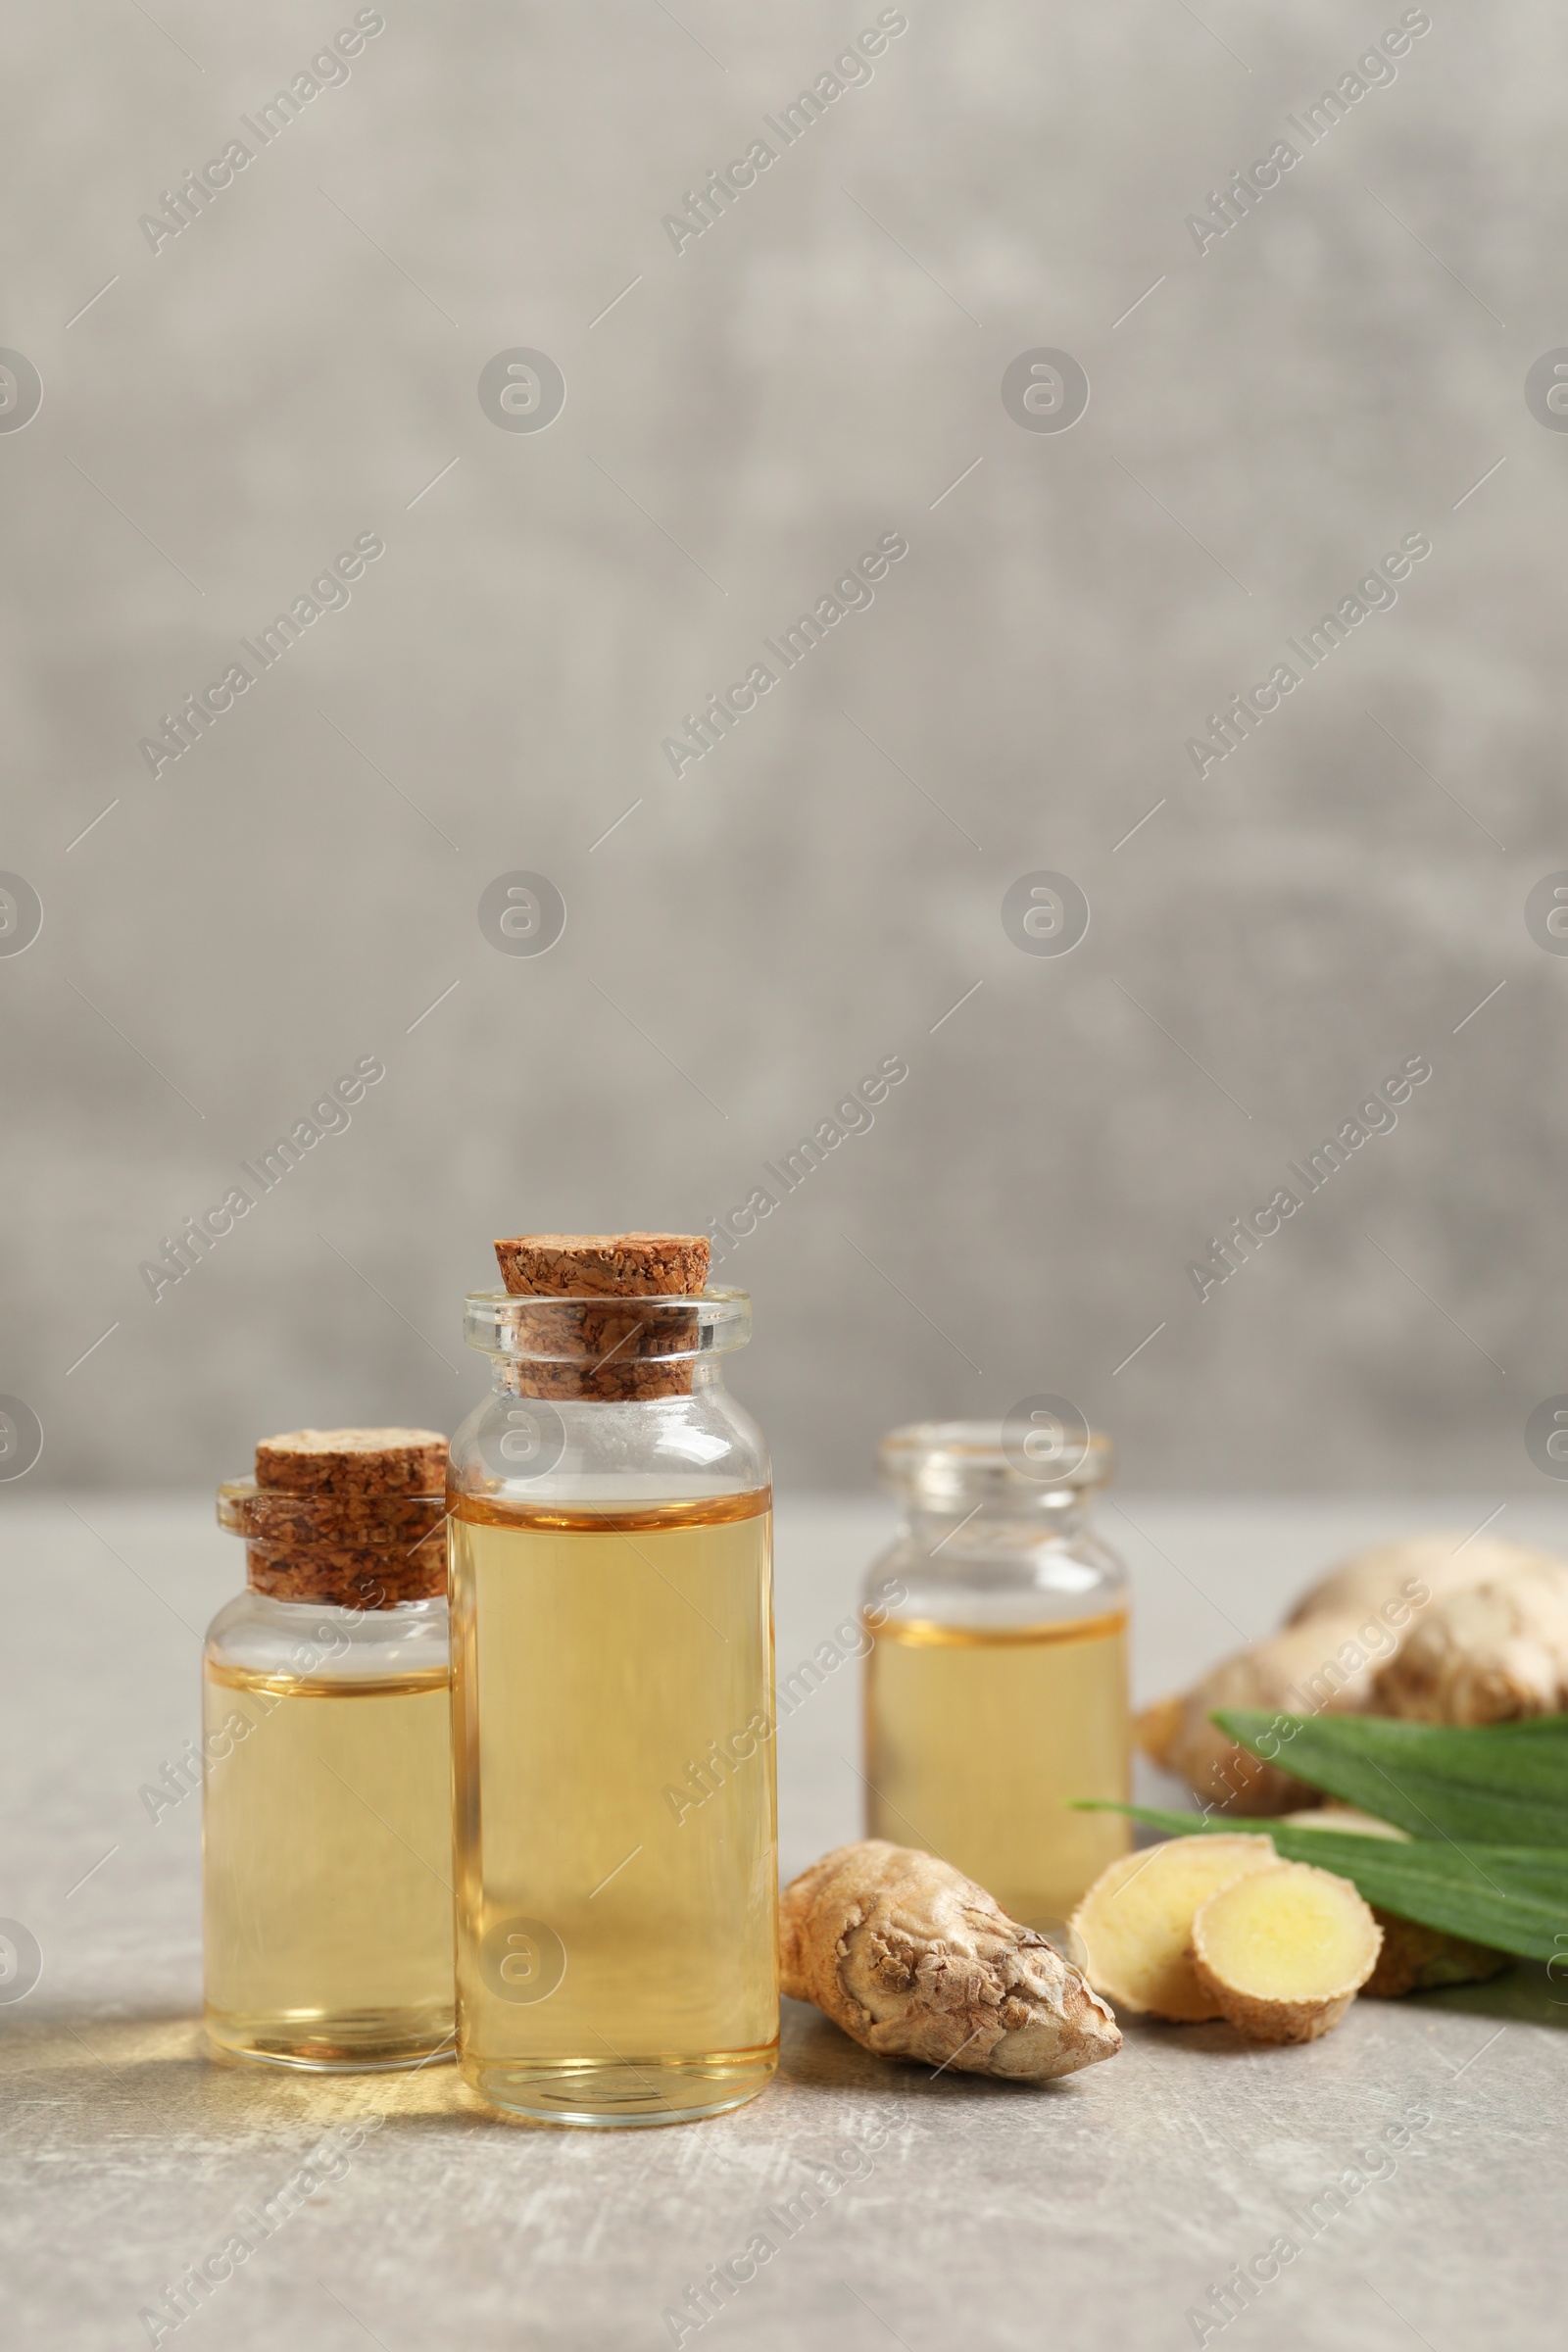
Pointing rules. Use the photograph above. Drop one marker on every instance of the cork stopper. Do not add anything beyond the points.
(354, 1461)
(603, 1352)
(605, 1265)
(348, 1576)
(352, 1517)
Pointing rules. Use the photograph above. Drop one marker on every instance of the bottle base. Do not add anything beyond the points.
(593, 2093)
(364, 2041)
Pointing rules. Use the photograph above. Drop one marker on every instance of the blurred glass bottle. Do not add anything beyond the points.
(995, 1682)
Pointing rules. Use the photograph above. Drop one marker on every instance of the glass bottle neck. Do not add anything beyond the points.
(1050, 1512)
(700, 1377)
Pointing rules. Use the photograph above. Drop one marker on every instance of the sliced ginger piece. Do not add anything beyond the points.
(1283, 1952)
(1135, 1921)
(1350, 1820)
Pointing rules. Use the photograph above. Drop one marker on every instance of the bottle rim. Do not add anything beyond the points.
(597, 1329)
(265, 1514)
(939, 1464)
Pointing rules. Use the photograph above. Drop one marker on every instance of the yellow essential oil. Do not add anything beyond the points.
(616, 1824)
(327, 1866)
(978, 1739)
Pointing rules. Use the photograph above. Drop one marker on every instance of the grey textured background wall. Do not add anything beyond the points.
(744, 418)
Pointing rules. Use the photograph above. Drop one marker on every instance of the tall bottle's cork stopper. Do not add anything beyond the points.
(605, 1265)
(353, 1517)
(600, 1350)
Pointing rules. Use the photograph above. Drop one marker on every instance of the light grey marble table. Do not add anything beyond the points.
(1416, 2158)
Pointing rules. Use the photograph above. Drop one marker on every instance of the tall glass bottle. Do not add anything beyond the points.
(995, 1682)
(612, 1715)
(326, 1848)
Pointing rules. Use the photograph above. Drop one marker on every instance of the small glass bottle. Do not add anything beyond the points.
(612, 1709)
(326, 1835)
(995, 1682)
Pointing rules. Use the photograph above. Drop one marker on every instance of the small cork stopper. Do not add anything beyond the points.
(622, 1351)
(347, 1577)
(354, 1461)
(605, 1265)
(346, 1547)
(266, 1515)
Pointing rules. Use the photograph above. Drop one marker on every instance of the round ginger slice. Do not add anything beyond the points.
(1135, 1921)
(1283, 1952)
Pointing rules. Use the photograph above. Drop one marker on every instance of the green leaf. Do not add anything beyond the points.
(1512, 1897)
(1504, 1783)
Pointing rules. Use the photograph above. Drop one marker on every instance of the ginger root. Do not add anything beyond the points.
(1488, 1653)
(1284, 1952)
(1178, 1735)
(1418, 1959)
(913, 1960)
(1343, 1650)
(1135, 1921)
(1371, 1582)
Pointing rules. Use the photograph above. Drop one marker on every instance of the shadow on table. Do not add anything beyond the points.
(1525, 1994)
(77, 2077)
(814, 2056)
(88, 2072)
